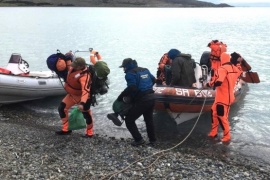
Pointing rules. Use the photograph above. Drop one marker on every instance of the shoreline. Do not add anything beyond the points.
(30, 149)
(111, 3)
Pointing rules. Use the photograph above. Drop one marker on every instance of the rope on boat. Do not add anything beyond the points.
(159, 152)
(179, 114)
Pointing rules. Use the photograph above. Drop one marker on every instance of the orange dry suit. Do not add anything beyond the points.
(217, 48)
(225, 80)
(77, 87)
(165, 60)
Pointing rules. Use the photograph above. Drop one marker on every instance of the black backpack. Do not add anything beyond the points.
(98, 86)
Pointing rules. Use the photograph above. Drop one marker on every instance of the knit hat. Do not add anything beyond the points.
(173, 53)
(69, 55)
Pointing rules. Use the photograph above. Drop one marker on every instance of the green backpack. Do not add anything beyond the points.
(121, 108)
(102, 69)
(99, 77)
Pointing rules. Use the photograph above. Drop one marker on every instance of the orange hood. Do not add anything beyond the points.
(225, 57)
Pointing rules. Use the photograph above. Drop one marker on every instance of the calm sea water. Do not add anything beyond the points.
(145, 34)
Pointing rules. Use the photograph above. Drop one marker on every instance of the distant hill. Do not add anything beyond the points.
(254, 4)
(110, 3)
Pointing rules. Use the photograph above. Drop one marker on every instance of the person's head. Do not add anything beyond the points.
(69, 55)
(61, 65)
(173, 53)
(79, 63)
(235, 58)
(225, 57)
(129, 64)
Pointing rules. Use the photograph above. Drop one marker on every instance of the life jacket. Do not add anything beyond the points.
(78, 83)
(217, 48)
(165, 60)
(164, 63)
(85, 78)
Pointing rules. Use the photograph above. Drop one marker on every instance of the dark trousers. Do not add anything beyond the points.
(146, 109)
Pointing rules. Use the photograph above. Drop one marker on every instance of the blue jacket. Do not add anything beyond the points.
(139, 82)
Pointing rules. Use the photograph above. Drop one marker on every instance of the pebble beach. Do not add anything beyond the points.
(29, 149)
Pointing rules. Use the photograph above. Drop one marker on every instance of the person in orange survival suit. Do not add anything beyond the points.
(224, 82)
(78, 92)
(161, 74)
(217, 48)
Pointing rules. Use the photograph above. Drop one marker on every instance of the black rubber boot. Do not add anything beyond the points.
(63, 132)
(138, 143)
(114, 118)
(87, 136)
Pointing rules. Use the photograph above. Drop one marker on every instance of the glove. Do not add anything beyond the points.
(93, 100)
(206, 85)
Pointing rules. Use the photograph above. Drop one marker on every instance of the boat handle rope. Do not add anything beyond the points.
(89, 50)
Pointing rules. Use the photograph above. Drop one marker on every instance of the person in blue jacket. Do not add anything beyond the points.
(140, 90)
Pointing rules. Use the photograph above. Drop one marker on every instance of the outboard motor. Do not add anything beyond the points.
(205, 59)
